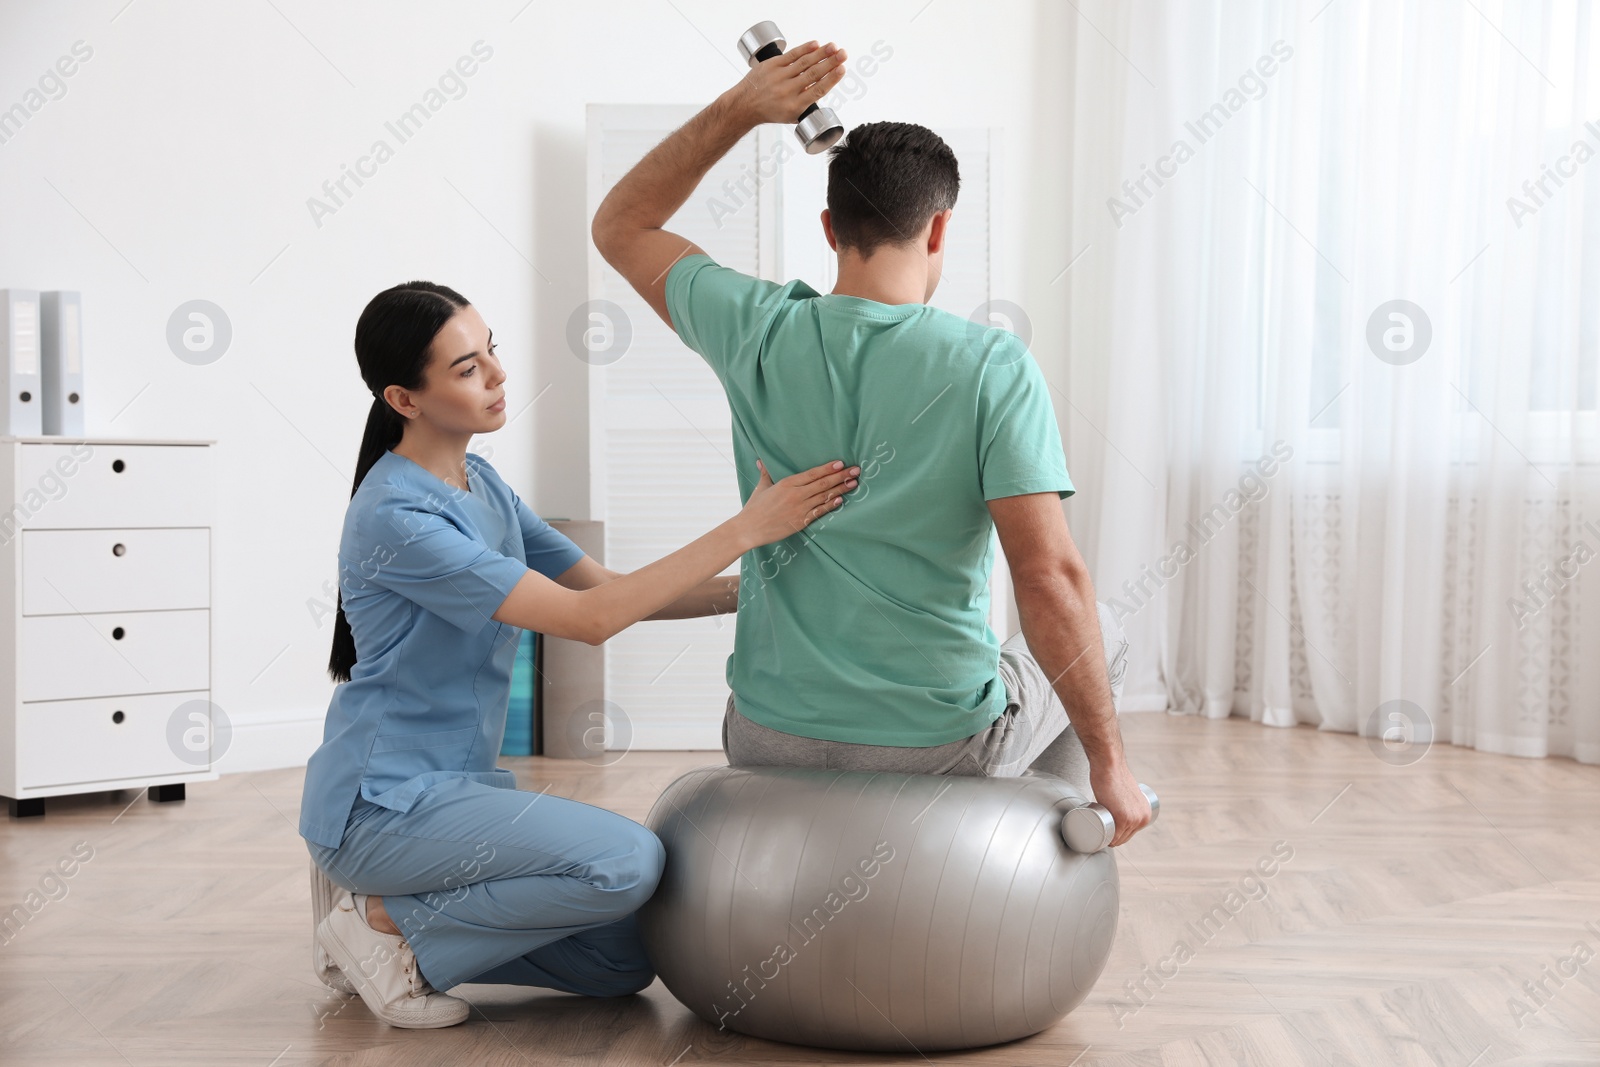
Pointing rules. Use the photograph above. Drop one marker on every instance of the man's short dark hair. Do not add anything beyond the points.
(885, 181)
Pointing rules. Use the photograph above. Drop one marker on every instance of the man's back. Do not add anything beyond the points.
(871, 625)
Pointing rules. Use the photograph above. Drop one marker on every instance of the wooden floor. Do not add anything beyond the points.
(1417, 903)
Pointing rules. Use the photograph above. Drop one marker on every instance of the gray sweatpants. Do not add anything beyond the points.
(1033, 734)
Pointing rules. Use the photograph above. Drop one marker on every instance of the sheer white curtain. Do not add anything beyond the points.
(1335, 333)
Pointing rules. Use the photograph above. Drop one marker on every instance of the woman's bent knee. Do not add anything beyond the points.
(650, 859)
(629, 877)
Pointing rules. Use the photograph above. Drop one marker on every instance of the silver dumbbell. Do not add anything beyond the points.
(818, 127)
(1090, 827)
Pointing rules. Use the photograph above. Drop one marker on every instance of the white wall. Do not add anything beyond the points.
(179, 162)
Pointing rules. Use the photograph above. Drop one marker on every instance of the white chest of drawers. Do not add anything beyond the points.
(105, 625)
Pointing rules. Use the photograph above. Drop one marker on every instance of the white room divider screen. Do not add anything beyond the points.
(661, 455)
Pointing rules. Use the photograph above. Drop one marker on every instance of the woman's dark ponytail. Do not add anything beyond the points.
(393, 337)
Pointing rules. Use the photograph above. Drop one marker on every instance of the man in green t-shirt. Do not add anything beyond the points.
(862, 642)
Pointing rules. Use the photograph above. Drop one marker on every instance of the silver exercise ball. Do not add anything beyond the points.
(876, 912)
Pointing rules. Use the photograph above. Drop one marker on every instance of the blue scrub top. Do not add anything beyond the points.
(422, 568)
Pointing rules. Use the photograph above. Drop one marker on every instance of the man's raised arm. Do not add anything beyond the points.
(627, 227)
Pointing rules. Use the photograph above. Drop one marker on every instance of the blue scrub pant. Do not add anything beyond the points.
(506, 886)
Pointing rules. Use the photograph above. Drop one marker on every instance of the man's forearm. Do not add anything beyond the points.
(657, 186)
(714, 596)
(1062, 627)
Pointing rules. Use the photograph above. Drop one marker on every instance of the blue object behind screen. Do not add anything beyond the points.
(519, 714)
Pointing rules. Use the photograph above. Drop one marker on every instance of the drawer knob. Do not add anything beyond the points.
(117, 716)
(118, 466)
(117, 633)
(119, 549)
(25, 396)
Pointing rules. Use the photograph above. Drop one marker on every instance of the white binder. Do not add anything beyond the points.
(19, 363)
(61, 364)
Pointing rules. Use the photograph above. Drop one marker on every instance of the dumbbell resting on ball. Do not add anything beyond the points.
(1090, 827)
(818, 127)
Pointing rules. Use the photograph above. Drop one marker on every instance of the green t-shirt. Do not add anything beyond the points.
(870, 625)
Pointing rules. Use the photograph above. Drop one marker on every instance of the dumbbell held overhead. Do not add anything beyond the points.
(818, 127)
(1090, 827)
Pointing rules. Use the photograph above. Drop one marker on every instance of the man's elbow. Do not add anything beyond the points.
(1050, 579)
(602, 232)
(609, 226)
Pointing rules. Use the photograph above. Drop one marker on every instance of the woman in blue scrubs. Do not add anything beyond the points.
(430, 868)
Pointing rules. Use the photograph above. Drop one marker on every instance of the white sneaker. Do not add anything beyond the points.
(323, 894)
(384, 971)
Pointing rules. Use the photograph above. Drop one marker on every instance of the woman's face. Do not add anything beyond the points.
(463, 386)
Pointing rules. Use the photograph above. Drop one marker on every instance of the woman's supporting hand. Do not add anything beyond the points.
(776, 510)
(592, 615)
